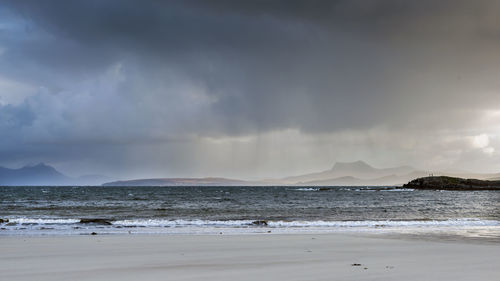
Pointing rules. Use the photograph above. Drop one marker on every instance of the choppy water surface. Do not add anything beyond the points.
(58, 210)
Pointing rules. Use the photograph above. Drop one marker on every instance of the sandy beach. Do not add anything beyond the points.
(245, 257)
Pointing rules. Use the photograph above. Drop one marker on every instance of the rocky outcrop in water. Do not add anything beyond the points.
(260, 223)
(451, 183)
(96, 221)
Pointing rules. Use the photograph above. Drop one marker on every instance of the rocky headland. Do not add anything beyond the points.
(452, 183)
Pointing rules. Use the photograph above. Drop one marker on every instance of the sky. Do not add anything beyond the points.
(248, 89)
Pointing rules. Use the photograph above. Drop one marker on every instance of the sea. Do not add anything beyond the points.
(84, 210)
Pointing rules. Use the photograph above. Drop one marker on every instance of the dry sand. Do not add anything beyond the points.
(244, 257)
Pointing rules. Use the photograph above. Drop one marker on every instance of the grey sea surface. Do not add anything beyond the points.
(47, 210)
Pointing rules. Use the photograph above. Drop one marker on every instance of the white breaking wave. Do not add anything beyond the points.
(54, 226)
(386, 223)
(399, 189)
(307, 189)
(462, 222)
(319, 223)
(179, 223)
(43, 221)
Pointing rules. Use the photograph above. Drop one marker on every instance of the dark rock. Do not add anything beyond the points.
(93, 233)
(356, 264)
(451, 183)
(11, 224)
(260, 223)
(324, 188)
(4, 220)
(96, 221)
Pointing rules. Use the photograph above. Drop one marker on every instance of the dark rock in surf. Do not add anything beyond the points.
(4, 220)
(93, 233)
(96, 221)
(260, 223)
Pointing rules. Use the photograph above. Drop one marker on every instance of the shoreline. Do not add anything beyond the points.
(245, 257)
(467, 236)
(55, 226)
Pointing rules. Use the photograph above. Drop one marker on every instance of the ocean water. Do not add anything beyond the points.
(194, 210)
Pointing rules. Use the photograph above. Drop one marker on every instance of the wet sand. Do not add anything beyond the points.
(245, 257)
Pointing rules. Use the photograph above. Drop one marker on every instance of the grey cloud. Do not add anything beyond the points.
(129, 73)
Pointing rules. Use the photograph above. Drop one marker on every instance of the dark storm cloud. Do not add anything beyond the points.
(135, 72)
(262, 60)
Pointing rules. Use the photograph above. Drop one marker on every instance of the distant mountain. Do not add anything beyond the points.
(347, 180)
(43, 174)
(341, 174)
(390, 180)
(361, 174)
(358, 170)
(40, 174)
(356, 173)
(181, 182)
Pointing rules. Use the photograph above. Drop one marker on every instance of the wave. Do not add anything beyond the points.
(307, 189)
(318, 223)
(399, 189)
(374, 189)
(460, 222)
(43, 221)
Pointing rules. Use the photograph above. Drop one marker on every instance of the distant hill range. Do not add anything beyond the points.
(359, 173)
(183, 182)
(356, 173)
(43, 174)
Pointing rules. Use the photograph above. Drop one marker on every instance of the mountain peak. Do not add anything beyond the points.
(357, 165)
(33, 174)
(35, 165)
(40, 166)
